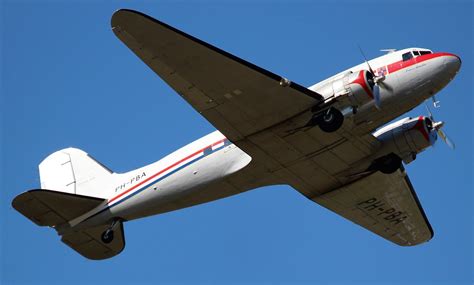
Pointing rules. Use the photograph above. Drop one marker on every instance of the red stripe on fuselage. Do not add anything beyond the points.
(218, 142)
(163, 170)
(396, 66)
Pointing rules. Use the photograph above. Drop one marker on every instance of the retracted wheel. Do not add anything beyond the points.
(108, 236)
(389, 163)
(330, 120)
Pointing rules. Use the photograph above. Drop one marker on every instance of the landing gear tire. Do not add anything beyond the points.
(389, 164)
(107, 236)
(331, 120)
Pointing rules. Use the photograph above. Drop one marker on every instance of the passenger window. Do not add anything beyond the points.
(407, 56)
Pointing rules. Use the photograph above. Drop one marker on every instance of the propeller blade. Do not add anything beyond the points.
(446, 139)
(366, 61)
(376, 92)
(437, 126)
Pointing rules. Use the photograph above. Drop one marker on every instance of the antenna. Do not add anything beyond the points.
(389, 50)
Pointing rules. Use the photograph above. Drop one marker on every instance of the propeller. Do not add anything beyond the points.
(438, 127)
(377, 81)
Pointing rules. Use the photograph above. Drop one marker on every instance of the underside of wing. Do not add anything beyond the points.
(385, 204)
(237, 97)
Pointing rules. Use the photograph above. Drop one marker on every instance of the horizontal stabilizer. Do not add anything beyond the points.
(89, 244)
(52, 208)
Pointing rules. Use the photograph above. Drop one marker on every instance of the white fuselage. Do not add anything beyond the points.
(155, 188)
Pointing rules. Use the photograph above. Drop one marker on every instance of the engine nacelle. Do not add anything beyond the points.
(406, 138)
(356, 87)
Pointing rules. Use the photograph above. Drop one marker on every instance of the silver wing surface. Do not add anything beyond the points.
(259, 111)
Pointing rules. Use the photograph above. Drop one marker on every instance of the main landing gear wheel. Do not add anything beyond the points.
(107, 236)
(389, 164)
(331, 120)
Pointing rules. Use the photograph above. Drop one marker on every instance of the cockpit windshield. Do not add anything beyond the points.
(414, 53)
(407, 56)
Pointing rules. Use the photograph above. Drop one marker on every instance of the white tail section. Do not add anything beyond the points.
(71, 170)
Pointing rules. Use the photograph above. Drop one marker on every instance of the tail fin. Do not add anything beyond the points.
(71, 170)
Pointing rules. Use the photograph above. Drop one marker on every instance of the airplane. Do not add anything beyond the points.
(332, 142)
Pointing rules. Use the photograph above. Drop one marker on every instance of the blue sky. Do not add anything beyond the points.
(66, 80)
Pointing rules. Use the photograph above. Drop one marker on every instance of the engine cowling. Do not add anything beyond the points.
(357, 87)
(406, 138)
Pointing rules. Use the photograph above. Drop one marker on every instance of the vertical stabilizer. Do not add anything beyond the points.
(73, 171)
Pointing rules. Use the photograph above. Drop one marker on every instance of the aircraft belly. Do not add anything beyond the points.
(167, 194)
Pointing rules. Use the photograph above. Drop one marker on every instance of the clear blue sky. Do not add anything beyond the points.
(68, 81)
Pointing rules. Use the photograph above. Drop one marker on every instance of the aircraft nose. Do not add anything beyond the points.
(452, 63)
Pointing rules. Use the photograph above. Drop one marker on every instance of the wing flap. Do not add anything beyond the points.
(88, 242)
(385, 204)
(52, 208)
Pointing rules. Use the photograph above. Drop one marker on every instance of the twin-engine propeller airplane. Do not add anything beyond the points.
(325, 141)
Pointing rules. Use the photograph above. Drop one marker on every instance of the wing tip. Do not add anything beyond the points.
(120, 14)
(415, 243)
(422, 211)
(18, 198)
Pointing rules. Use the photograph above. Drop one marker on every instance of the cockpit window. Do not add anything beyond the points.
(407, 56)
(422, 52)
(416, 53)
